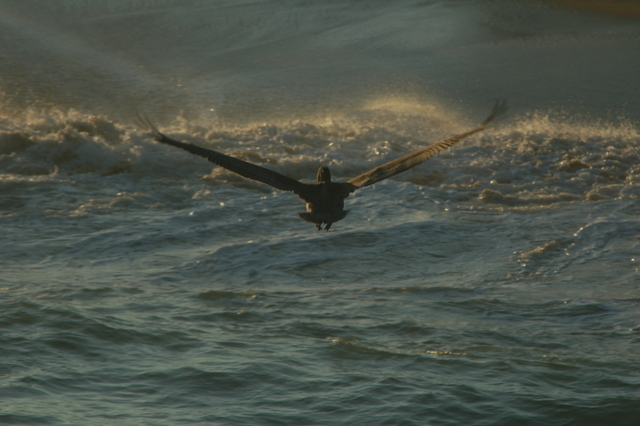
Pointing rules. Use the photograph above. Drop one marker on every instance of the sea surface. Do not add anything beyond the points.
(498, 283)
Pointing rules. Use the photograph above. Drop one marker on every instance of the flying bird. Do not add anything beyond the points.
(324, 199)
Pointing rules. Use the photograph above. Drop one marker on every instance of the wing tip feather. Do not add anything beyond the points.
(499, 108)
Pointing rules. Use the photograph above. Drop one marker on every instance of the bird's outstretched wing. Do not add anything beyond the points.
(243, 168)
(408, 161)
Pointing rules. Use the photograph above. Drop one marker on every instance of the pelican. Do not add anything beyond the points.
(325, 198)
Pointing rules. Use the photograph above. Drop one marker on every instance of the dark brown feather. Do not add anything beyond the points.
(408, 161)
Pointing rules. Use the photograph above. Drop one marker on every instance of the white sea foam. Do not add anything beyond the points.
(538, 159)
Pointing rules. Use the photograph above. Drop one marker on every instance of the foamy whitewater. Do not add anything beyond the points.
(498, 283)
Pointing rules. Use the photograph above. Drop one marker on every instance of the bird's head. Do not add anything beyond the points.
(324, 175)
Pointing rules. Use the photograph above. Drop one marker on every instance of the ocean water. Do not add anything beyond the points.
(496, 284)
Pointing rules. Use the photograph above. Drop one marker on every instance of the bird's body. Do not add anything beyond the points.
(324, 199)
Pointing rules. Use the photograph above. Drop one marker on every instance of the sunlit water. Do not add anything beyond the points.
(498, 283)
